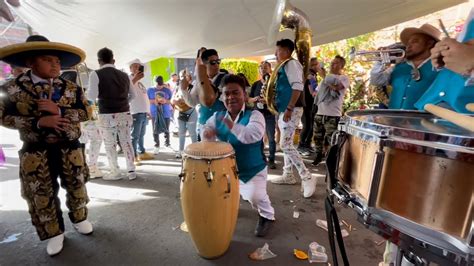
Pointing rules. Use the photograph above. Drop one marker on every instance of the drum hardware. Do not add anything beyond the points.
(227, 192)
(380, 148)
(235, 171)
(209, 174)
(182, 176)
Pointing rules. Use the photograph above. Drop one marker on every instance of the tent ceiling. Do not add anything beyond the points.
(177, 28)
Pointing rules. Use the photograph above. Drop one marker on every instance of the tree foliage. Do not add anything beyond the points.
(360, 94)
(247, 67)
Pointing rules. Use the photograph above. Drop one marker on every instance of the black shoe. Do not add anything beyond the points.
(263, 226)
(317, 159)
(272, 165)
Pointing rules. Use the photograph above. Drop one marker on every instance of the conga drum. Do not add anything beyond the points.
(210, 196)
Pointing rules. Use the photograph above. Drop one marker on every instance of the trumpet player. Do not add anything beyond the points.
(412, 77)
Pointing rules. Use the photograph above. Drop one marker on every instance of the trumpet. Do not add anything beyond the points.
(385, 56)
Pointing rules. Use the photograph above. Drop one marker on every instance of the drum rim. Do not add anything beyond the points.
(393, 130)
(208, 157)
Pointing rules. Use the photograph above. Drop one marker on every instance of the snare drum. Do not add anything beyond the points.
(411, 171)
(210, 196)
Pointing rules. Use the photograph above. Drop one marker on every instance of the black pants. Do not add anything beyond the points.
(307, 119)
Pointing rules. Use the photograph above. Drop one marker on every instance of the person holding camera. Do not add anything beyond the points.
(139, 108)
(187, 115)
(161, 111)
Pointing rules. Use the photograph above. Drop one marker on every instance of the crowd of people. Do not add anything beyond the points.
(54, 115)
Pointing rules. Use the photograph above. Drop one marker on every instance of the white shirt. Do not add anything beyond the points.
(139, 104)
(294, 73)
(334, 107)
(250, 133)
(37, 79)
(93, 88)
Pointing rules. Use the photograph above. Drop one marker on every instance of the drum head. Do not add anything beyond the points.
(209, 150)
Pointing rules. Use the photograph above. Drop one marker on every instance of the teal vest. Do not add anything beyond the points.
(283, 90)
(250, 158)
(206, 112)
(449, 87)
(406, 91)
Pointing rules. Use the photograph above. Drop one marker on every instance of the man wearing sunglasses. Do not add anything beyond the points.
(208, 88)
(412, 77)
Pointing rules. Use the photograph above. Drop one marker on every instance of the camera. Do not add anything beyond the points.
(141, 68)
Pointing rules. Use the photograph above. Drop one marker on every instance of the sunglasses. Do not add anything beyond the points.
(215, 62)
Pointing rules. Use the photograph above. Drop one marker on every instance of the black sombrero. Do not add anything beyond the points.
(17, 54)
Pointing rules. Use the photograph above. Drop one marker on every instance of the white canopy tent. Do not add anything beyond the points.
(177, 28)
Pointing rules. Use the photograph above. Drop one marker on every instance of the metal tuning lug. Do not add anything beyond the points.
(227, 192)
(182, 176)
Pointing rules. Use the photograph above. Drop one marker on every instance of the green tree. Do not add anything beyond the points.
(360, 94)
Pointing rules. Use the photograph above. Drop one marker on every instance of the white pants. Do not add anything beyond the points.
(111, 126)
(290, 155)
(255, 191)
(90, 133)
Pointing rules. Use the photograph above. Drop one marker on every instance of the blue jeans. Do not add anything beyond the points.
(190, 126)
(270, 122)
(138, 132)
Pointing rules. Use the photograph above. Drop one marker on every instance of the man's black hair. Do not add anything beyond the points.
(342, 59)
(286, 43)
(105, 55)
(208, 53)
(231, 78)
(159, 80)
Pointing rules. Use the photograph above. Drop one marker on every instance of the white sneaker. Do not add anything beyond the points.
(285, 179)
(55, 245)
(84, 227)
(95, 172)
(309, 186)
(113, 175)
(156, 150)
(132, 175)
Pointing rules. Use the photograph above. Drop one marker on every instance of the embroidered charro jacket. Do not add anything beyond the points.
(19, 110)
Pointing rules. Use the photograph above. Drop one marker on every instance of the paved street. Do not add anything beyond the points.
(137, 222)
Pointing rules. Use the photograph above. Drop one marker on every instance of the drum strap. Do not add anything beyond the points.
(335, 228)
(332, 158)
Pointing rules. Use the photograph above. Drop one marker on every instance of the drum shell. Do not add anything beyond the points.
(209, 209)
(432, 191)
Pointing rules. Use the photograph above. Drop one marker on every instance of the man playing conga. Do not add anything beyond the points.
(244, 130)
(47, 110)
(412, 77)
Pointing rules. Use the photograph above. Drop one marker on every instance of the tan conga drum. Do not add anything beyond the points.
(210, 196)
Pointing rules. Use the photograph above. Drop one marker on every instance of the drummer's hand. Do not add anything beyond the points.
(209, 134)
(458, 57)
(287, 115)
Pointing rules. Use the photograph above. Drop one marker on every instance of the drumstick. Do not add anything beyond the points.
(453, 117)
(470, 107)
